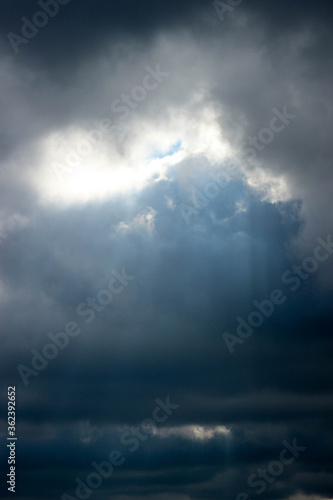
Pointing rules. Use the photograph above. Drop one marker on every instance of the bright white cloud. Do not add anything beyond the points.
(69, 168)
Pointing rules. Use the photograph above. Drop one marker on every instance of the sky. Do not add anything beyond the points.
(166, 250)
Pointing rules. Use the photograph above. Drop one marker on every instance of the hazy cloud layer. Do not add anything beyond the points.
(163, 172)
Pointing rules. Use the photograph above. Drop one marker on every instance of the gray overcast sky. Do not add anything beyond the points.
(166, 185)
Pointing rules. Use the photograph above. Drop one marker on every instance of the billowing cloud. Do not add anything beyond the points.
(166, 236)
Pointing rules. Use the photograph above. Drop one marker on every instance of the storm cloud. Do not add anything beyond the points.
(166, 239)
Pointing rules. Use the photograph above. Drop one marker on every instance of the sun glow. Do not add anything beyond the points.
(72, 169)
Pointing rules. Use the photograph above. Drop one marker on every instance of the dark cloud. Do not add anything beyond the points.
(203, 239)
